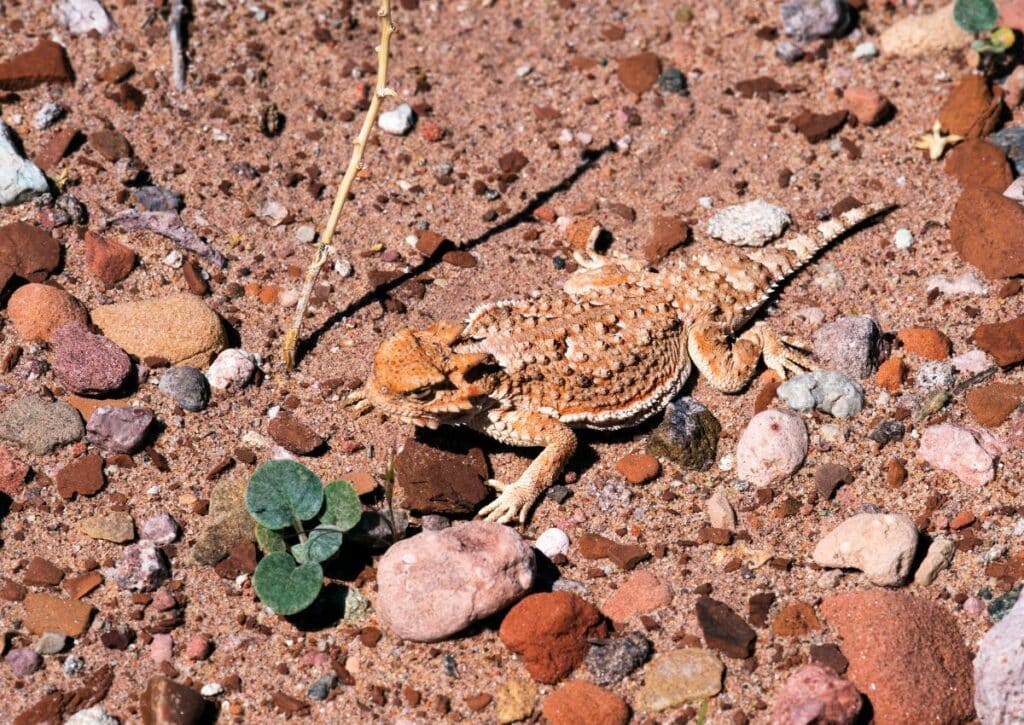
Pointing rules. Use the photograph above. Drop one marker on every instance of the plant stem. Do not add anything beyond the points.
(381, 91)
(297, 525)
(177, 23)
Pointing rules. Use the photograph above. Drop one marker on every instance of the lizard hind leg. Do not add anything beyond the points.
(729, 365)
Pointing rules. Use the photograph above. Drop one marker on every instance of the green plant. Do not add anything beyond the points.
(975, 16)
(299, 524)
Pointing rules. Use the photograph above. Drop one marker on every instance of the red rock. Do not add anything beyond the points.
(108, 261)
(431, 131)
(971, 109)
(110, 144)
(38, 309)
(962, 520)
(817, 127)
(56, 148)
(667, 233)
(638, 73)
(166, 702)
(86, 363)
(795, 620)
(761, 87)
(550, 632)
(199, 647)
(625, 556)
(906, 655)
(992, 404)
(816, 694)
(641, 594)
(638, 468)
(925, 341)
(78, 586)
(46, 63)
(987, 230)
(12, 473)
(724, 630)
(116, 72)
(12, 591)
(890, 374)
(27, 252)
(512, 162)
(582, 703)
(47, 613)
(83, 476)
(978, 163)
(433, 480)
(1002, 340)
(293, 435)
(41, 572)
(428, 242)
(869, 106)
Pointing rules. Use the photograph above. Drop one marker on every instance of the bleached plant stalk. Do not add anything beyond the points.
(177, 25)
(381, 91)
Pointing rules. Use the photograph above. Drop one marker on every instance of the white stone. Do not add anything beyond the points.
(972, 361)
(903, 238)
(397, 121)
(966, 453)
(939, 557)
(232, 368)
(305, 233)
(20, 179)
(771, 447)
(273, 212)
(999, 671)
(47, 115)
(82, 16)
(754, 223)
(174, 259)
(966, 283)
(721, 514)
(211, 689)
(95, 715)
(552, 542)
(1015, 190)
(865, 51)
(880, 545)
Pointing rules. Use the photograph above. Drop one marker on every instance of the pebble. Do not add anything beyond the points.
(926, 342)
(638, 468)
(320, 688)
(723, 629)
(50, 643)
(1011, 141)
(577, 702)
(107, 260)
(27, 252)
(641, 594)
(963, 452)
(433, 480)
(977, 163)
(754, 223)
(37, 310)
(81, 17)
(816, 694)
(972, 362)
(398, 121)
(971, 109)
(684, 675)
(687, 436)
(20, 179)
(119, 429)
(808, 19)
(903, 239)
(227, 523)
(880, 545)
(23, 661)
(95, 715)
(13, 473)
(789, 53)
(187, 386)
(553, 542)
(179, 328)
(142, 567)
(161, 649)
(47, 115)
(233, 368)
(906, 655)
(199, 647)
(865, 51)
(161, 529)
(436, 583)
(828, 391)
(117, 526)
(849, 344)
(1004, 341)
(925, 34)
(86, 363)
(998, 685)
(165, 701)
(638, 73)
(985, 230)
(721, 514)
(157, 198)
(83, 476)
(550, 631)
(934, 374)
(612, 660)
(47, 613)
(939, 556)
(966, 283)
(292, 434)
(45, 63)
(515, 700)
(869, 106)
(40, 425)
(771, 447)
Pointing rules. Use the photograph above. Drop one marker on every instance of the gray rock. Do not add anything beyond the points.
(157, 198)
(435, 584)
(322, 687)
(398, 121)
(82, 16)
(934, 374)
(41, 425)
(826, 390)
(999, 671)
(754, 223)
(48, 115)
(788, 53)
(119, 429)
(20, 179)
(187, 386)
(50, 643)
(807, 19)
(1011, 140)
(687, 436)
(142, 567)
(73, 666)
(849, 345)
(612, 660)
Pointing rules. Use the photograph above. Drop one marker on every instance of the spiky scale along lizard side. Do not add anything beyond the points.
(609, 351)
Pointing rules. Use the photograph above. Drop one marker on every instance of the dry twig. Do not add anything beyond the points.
(381, 91)
(177, 23)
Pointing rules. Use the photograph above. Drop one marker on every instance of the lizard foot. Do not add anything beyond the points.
(784, 357)
(509, 506)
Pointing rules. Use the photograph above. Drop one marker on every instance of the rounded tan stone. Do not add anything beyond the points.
(38, 309)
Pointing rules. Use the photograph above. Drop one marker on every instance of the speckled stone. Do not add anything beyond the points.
(86, 363)
(119, 429)
(186, 386)
(36, 310)
(41, 425)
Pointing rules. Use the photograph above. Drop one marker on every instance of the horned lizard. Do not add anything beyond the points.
(608, 352)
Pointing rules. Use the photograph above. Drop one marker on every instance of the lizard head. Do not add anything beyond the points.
(420, 378)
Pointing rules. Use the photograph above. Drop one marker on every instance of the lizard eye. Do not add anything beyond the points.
(424, 394)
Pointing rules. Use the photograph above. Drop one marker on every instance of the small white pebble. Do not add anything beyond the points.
(903, 239)
(524, 70)
(552, 542)
(727, 462)
(397, 121)
(865, 51)
(706, 201)
(211, 689)
(174, 259)
(343, 267)
(305, 234)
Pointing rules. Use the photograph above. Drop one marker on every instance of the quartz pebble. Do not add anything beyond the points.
(771, 447)
(233, 369)
(83, 16)
(397, 121)
(807, 19)
(142, 567)
(88, 364)
(161, 529)
(998, 685)
(20, 179)
(934, 374)
(119, 429)
(553, 542)
(828, 391)
(95, 715)
(961, 451)
(880, 545)
(816, 694)
(963, 284)
(684, 675)
(849, 345)
(436, 583)
(186, 386)
(753, 223)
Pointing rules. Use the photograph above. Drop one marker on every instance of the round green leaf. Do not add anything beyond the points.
(321, 544)
(285, 587)
(280, 492)
(269, 540)
(342, 507)
(975, 16)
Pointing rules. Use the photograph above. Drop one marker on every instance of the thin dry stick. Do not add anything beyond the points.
(291, 338)
(177, 23)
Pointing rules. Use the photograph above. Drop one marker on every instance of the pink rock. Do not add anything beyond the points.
(958, 450)
(199, 647)
(12, 473)
(161, 529)
(23, 661)
(162, 600)
(161, 649)
(868, 105)
(641, 594)
(816, 694)
(86, 363)
(1011, 13)
(772, 447)
(436, 583)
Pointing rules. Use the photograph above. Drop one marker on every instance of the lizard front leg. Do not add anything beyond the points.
(730, 366)
(527, 429)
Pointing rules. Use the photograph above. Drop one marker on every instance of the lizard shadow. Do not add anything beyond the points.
(590, 158)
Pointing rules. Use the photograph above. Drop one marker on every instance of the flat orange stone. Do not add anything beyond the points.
(47, 613)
